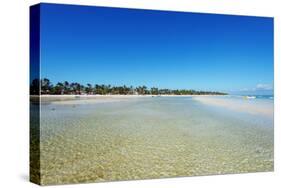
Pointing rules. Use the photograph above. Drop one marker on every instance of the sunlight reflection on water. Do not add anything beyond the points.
(150, 138)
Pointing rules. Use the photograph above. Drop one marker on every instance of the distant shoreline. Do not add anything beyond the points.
(212, 100)
(109, 95)
(45, 87)
(99, 98)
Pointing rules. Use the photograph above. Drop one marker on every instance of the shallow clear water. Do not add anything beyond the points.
(150, 138)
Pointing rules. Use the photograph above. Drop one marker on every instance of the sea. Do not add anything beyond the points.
(154, 137)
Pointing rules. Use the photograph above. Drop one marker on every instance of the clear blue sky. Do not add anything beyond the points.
(156, 48)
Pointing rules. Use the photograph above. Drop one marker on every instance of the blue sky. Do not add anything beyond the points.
(156, 48)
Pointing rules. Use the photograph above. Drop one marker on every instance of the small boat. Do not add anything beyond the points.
(249, 97)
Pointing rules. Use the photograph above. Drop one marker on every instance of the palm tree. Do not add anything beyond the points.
(59, 88)
(46, 86)
(89, 89)
(79, 88)
(97, 89)
(76, 88)
(66, 87)
(154, 91)
(139, 90)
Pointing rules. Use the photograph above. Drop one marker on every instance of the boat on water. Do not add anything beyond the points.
(249, 97)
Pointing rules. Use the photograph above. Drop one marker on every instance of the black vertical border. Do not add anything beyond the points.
(34, 126)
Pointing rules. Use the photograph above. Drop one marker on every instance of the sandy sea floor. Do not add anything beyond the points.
(124, 138)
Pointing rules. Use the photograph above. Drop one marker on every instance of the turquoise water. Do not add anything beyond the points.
(152, 137)
(270, 97)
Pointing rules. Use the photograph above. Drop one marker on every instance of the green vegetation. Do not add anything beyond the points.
(66, 88)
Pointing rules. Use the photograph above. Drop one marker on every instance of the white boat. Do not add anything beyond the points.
(249, 97)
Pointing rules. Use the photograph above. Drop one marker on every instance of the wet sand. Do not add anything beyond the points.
(87, 99)
(253, 106)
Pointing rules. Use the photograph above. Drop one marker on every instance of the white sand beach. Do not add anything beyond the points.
(88, 99)
(74, 99)
(252, 106)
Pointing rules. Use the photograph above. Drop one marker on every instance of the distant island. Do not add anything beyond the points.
(67, 88)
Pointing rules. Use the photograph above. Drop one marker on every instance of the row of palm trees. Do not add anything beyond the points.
(65, 88)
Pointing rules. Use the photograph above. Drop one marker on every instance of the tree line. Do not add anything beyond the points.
(45, 87)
